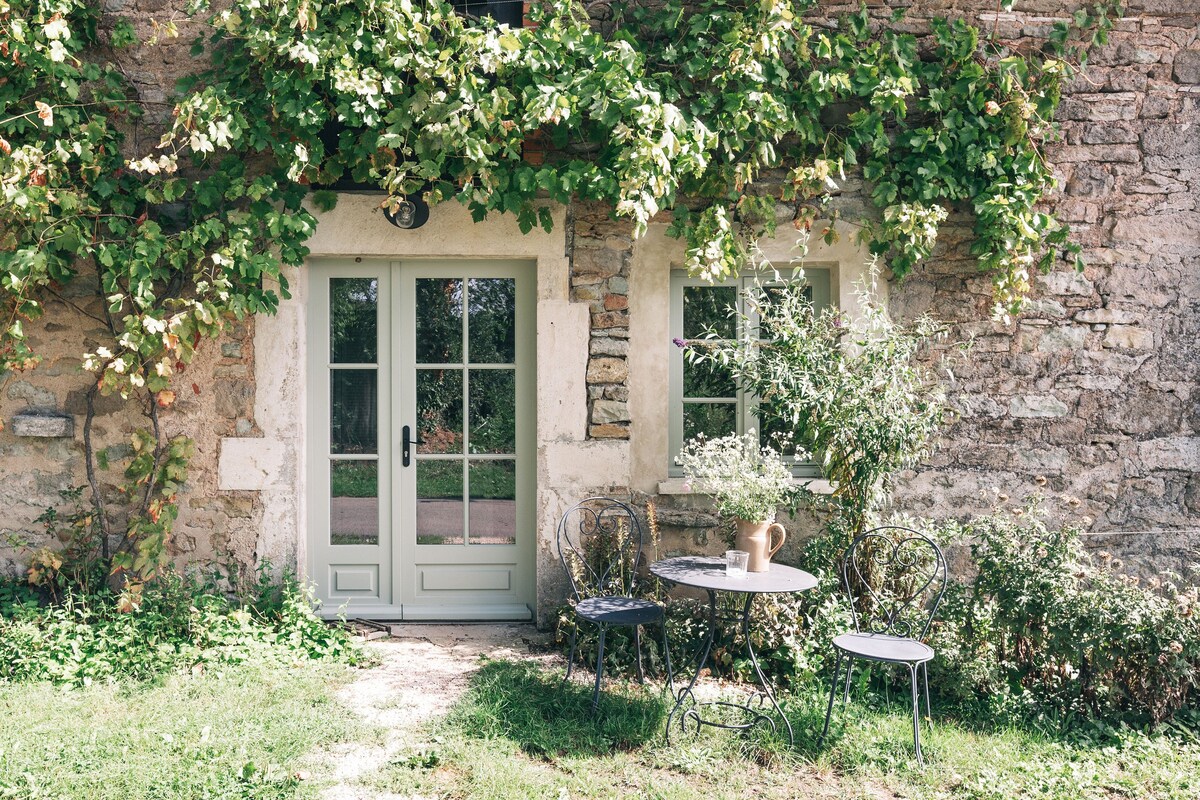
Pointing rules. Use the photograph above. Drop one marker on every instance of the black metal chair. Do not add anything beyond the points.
(600, 545)
(894, 578)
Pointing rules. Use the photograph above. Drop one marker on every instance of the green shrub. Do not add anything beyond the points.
(1044, 630)
(179, 623)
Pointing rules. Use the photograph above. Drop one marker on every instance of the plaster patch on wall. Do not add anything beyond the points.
(252, 464)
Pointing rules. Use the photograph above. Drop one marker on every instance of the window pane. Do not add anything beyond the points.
(353, 415)
(493, 411)
(353, 320)
(707, 380)
(439, 321)
(492, 306)
(354, 502)
(493, 502)
(707, 307)
(439, 502)
(439, 410)
(710, 419)
(504, 12)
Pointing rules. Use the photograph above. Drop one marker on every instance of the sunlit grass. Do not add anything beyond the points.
(523, 732)
(242, 732)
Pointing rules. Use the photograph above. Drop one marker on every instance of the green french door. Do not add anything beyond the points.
(420, 433)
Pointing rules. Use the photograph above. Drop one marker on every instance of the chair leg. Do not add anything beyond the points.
(599, 671)
(667, 660)
(925, 677)
(849, 669)
(912, 673)
(837, 669)
(571, 657)
(637, 645)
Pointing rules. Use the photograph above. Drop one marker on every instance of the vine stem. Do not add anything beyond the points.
(89, 454)
(158, 451)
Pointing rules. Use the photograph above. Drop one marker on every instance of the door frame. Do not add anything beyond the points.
(410, 598)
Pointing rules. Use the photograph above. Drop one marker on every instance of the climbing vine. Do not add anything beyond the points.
(730, 115)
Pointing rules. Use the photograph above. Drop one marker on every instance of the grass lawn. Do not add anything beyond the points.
(240, 732)
(522, 733)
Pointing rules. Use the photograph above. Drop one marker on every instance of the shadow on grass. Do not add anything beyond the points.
(547, 716)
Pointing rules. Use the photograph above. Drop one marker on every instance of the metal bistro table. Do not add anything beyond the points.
(708, 573)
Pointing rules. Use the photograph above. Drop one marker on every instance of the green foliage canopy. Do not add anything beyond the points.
(723, 111)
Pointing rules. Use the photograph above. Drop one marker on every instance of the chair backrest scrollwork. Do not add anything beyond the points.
(895, 578)
(600, 546)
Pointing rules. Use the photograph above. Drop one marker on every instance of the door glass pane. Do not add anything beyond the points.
(707, 380)
(710, 419)
(440, 410)
(353, 320)
(493, 410)
(493, 511)
(439, 320)
(439, 502)
(708, 306)
(354, 502)
(353, 414)
(492, 305)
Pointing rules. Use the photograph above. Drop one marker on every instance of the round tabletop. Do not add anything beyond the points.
(708, 572)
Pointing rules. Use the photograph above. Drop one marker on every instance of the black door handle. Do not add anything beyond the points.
(406, 446)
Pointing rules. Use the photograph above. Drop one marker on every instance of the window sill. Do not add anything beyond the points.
(679, 486)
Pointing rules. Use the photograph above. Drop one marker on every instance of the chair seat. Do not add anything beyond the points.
(619, 610)
(881, 647)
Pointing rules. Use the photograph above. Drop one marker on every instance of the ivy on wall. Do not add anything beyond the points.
(732, 115)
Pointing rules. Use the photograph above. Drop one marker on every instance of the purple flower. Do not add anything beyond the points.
(680, 343)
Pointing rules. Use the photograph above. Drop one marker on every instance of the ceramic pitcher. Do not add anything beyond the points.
(756, 539)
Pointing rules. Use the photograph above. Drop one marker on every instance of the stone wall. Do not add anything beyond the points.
(1091, 397)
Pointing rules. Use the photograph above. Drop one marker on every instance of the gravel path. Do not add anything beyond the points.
(424, 669)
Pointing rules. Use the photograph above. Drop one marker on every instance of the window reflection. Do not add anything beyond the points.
(354, 502)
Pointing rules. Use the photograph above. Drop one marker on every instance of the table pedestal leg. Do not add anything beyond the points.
(692, 712)
(762, 680)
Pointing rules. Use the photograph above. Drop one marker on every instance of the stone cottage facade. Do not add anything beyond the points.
(1089, 398)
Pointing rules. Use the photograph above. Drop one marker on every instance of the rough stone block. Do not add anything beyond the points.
(1066, 337)
(43, 425)
(608, 346)
(1107, 133)
(234, 399)
(1066, 283)
(1171, 452)
(610, 319)
(610, 431)
(1037, 406)
(597, 261)
(616, 392)
(1180, 228)
(606, 411)
(1097, 107)
(1097, 154)
(1187, 66)
(1107, 316)
(607, 370)
(1128, 337)
(615, 302)
(1169, 145)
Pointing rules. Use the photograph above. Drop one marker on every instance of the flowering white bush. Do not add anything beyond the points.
(745, 480)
